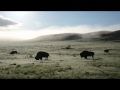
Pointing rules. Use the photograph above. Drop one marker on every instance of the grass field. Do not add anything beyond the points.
(62, 63)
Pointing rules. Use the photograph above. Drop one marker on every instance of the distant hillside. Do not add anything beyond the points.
(111, 36)
(92, 36)
(95, 34)
(58, 37)
(100, 35)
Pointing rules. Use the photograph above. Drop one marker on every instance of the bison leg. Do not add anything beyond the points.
(46, 58)
(85, 57)
(92, 56)
(81, 56)
(40, 58)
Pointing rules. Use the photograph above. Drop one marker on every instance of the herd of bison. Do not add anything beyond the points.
(42, 54)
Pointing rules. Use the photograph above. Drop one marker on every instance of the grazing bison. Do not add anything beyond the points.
(85, 54)
(106, 51)
(41, 54)
(13, 52)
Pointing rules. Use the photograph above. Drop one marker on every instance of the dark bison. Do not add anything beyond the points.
(13, 52)
(106, 51)
(85, 54)
(41, 54)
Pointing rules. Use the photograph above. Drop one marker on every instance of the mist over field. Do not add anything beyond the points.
(30, 34)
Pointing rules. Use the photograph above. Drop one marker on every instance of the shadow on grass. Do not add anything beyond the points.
(97, 58)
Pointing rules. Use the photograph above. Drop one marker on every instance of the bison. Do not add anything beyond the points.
(85, 54)
(13, 52)
(106, 51)
(42, 54)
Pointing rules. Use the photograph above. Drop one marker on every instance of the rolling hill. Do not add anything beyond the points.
(99, 35)
(95, 35)
(112, 36)
(70, 36)
(58, 37)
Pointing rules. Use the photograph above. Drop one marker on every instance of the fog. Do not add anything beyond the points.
(23, 34)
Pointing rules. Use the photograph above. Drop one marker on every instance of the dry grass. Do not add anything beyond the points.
(63, 63)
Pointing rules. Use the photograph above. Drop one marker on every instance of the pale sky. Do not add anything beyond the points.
(30, 24)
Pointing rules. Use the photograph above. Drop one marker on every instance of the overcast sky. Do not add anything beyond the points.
(30, 24)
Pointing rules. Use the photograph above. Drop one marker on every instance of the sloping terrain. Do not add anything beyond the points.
(114, 36)
(70, 36)
(58, 37)
(99, 35)
(95, 34)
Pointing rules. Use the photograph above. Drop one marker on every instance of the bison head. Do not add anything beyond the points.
(36, 58)
(81, 55)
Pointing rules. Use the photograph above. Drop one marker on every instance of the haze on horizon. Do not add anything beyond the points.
(23, 25)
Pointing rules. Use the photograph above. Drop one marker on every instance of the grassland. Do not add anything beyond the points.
(62, 63)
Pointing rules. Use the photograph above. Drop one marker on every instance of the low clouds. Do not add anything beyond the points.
(6, 23)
